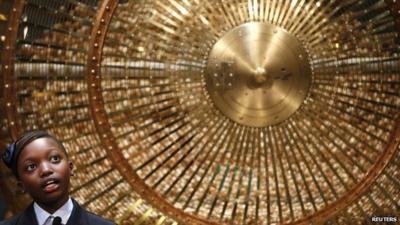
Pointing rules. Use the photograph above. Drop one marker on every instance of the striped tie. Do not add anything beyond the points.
(49, 220)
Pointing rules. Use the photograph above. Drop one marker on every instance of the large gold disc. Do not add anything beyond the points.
(258, 74)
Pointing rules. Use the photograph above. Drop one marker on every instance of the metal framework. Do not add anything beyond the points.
(183, 129)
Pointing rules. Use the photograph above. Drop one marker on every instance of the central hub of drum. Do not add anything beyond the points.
(258, 74)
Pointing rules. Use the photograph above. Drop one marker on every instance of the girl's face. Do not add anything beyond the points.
(44, 172)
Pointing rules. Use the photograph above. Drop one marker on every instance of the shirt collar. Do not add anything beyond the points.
(64, 212)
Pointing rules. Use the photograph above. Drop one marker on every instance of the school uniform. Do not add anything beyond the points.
(71, 213)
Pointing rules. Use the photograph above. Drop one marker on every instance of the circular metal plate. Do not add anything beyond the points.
(258, 74)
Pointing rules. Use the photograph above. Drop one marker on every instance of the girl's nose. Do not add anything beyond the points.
(45, 170)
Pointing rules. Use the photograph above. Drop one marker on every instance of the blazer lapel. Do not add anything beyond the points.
(28, 216)
(77, 216)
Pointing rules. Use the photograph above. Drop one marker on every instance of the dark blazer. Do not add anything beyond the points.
(79, 216)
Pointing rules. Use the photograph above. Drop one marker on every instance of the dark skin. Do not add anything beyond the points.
(44, 172)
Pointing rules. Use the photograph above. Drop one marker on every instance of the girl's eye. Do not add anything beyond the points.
(30, 167)
(55, 158)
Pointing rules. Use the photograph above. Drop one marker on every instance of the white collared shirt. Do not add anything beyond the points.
(64, 212)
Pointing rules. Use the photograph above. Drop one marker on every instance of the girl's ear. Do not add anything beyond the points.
(71, 167)
(21, 186)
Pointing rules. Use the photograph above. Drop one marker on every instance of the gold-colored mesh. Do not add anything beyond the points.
(49, 72)
(168, 130)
